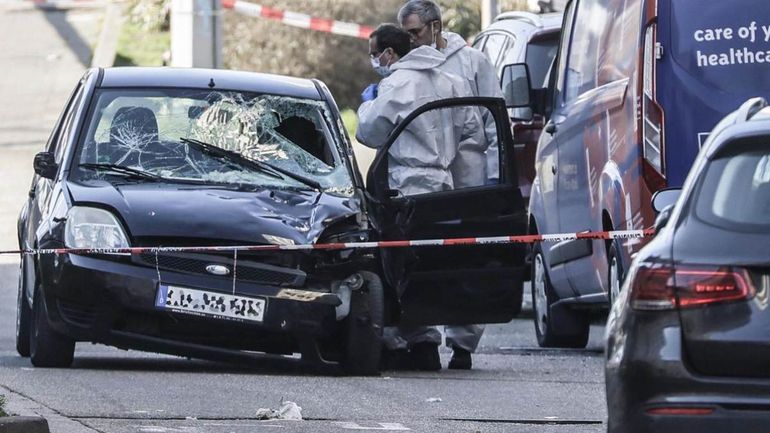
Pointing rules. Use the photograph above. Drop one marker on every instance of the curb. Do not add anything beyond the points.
(23, 424)
(107, 44)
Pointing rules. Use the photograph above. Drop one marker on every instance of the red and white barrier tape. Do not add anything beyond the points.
(299, 20)
(522, 239)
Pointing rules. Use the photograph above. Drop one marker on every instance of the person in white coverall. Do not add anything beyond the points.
(474, 167)
(420, 160)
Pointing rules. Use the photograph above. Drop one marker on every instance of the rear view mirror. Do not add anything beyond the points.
(665, 198)
(516, 86)
(45, 165)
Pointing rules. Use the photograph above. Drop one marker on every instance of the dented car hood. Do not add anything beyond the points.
(191, 211)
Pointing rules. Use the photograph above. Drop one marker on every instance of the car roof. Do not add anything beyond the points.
(196, 78)
(528, 19)
(751, 119)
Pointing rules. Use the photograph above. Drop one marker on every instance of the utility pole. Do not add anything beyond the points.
(196, 33)
(489, 10)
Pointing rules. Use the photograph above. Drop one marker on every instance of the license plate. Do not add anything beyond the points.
(210, 304)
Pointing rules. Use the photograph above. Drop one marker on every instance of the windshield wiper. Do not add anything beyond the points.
(121, 169)
(265, 167)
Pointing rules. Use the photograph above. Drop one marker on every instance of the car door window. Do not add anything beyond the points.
(60, 144)
(479, 42)
(496, 44)
(444, 149)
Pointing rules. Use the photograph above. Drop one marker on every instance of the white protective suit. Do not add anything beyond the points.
(421, 158)
(475, 67)
(474, 165)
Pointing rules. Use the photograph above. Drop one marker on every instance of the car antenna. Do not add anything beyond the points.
(211, 83)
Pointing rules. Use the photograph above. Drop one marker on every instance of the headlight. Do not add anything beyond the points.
(92, 228)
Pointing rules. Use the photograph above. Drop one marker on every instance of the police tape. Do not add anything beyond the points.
(495, 240)
(300, 20)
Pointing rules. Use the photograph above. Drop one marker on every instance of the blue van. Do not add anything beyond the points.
(634, 90)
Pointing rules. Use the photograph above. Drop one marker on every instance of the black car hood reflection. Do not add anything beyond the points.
(189, 211)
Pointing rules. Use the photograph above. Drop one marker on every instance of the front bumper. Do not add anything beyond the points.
(113, 301)
(646, 369)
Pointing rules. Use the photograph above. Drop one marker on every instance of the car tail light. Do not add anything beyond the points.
(666, 288)
(653, 141)
(681, 411)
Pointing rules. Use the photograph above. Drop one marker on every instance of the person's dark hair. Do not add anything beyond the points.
(392, 36)
(425, 9)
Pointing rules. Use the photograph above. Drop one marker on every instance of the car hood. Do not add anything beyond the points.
(189, 211)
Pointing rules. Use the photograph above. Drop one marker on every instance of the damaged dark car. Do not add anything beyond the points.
(146, 163)
(170, 158)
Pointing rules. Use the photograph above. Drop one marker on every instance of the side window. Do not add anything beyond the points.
(566, 37)
(60, 143)
(582, 66)
(479, 42)
(619, 58)
(495, 46)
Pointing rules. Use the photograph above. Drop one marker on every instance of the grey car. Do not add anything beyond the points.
(688, 347)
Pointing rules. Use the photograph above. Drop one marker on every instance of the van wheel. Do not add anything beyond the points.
(23, 314)
(543, 297)
(48, 348)
(364, 326)
(615, 273)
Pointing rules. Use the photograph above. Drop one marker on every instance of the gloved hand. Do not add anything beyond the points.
(369, 93)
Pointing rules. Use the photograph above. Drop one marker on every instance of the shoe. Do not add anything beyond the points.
(461, 359)
(424, 356)
(397, 359)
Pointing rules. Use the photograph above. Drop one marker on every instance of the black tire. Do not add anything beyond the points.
(48, 348)
(23, 314)
(363, 328)
(615, 281)
(518, 298)
(543, 298)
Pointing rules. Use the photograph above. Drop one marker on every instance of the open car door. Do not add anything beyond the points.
(462, 284)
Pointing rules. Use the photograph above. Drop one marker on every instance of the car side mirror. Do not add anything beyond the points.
(517, 87)
(665, 198)
(45, 165)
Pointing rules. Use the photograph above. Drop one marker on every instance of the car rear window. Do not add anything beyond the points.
(735, 190)
(723, 44)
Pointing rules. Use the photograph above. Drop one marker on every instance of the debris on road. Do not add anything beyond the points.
(288, 411)
(433, 400)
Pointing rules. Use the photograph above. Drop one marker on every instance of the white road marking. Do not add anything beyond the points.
(386, 426)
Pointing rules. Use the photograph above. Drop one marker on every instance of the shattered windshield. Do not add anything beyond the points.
(212, 137)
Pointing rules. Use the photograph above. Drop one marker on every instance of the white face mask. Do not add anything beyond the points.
(383, 71)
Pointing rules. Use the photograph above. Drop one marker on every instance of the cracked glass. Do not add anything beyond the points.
(231, 138)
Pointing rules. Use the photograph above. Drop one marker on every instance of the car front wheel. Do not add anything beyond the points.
(48, 348)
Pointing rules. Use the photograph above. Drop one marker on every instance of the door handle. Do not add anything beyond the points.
(553, 169)
(551, 128)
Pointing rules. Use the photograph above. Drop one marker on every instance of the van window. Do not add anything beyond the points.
(725, 45)
(566, 37)
(618, 46)
(582, 66)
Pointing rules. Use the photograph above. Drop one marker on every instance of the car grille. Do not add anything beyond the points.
(245, 270)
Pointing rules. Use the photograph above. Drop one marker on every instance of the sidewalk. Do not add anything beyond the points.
(42, 54)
